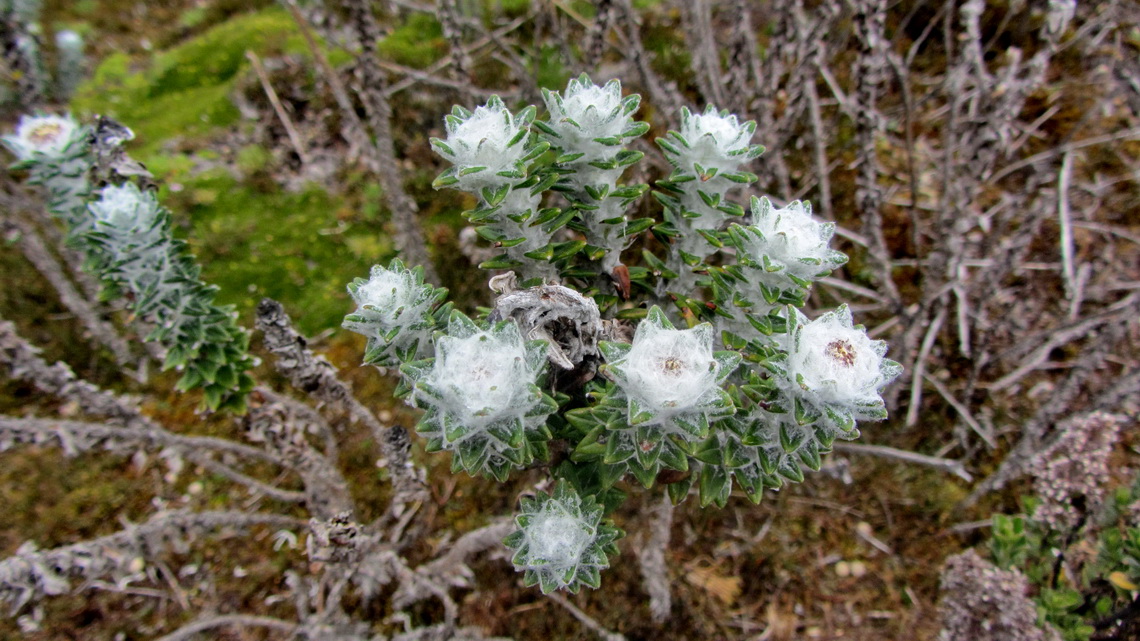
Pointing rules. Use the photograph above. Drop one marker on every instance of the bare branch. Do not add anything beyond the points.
(356, 129)
(450, 570)
(870, 23)
(30, 574)
(37, 253)
(315, 376)
(204, 624)
(696, 16)
(652, 558)
(948, 465)
(371, 88)
(278, 108)
(1062, 336)
(919, 367)
(1064, 177)
(449, 21)
(283, 425)
(23, 362)
(586, 619)
(963, 411)
(75, 437)
(666, 98)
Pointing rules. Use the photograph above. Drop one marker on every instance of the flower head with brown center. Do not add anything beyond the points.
(832, 363)
(47, 135)
(671, 377)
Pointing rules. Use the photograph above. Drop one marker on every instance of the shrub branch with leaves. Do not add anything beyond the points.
(669, 399)
(126, 238)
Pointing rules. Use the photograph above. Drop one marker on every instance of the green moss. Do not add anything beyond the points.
(184, 92)
(193, 17)
(288, 246)
(510, 8)
(169, 168)
(113, 79)
(53, 500)
(253, 158)
(551, 70)
(219, 54)
(192, 114)
(417, 43)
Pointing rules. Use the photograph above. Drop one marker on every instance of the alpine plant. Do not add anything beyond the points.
(694, 372)
(693, 367)
(685, 365)
(561, 541)
(133, 250)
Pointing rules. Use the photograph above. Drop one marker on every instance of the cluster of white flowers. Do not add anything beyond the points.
(590, 121)
(133, 249)
(708, 153)
(125, 217)
(482, 377)
(125, 237)
(785, 248)
(125, 207)
(1071, 477)
(590, 127)
(54, 150)
(836, 367)
(484, 145)
(715, 142)
(666, 401)
(70, 66)
(489, 150)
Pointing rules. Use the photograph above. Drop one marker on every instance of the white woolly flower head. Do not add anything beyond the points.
(483, 376)
(671, 376)
(486, 147)
(68, 39)
(394, 294)
(481, 396)
(394, 310)
(562, 542)
(711, 142)
(124, 207)
(48, 135)
(834, 364)
(786, 247)
(558, 537)
(589, 121)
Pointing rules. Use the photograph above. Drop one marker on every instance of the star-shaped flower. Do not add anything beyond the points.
(833, 365)
(671, 376)
(487, 147)
(394, 310)
(481, 397)
(562, 542)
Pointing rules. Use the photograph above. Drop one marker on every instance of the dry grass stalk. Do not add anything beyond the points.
(370, 89)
